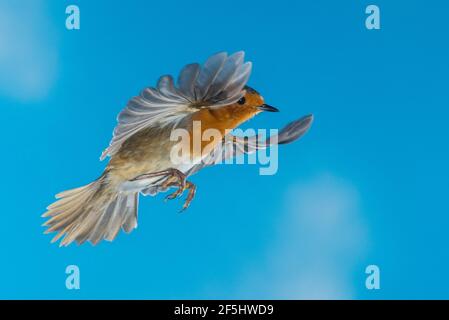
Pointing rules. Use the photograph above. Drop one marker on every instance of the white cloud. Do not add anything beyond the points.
(28, 55)
(321, 240)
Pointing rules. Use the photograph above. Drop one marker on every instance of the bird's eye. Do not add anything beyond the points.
(242, 100)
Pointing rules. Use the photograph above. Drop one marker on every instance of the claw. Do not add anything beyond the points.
(190, 196)
(180, 183)
(175, 194)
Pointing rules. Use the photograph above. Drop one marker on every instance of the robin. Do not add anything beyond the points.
(215, 95)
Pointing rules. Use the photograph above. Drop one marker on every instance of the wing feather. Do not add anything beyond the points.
(226, 74)
(220, 81)
(187, 79)
(209, 72)
(233, 146)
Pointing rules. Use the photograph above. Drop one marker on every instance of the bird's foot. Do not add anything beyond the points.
(173, 178)
(192, 190)
(188, 186)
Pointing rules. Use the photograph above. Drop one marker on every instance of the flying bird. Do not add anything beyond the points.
(216, 95)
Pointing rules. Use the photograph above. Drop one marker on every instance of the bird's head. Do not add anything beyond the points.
(253, 103)
(232, 115)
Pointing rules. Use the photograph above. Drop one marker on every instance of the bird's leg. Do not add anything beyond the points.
(172, 174)
(175, 178)
(175, 194)
(189, 186)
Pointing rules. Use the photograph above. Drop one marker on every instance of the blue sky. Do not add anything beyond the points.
(367, 185)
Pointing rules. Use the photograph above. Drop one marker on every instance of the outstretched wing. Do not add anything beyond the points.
(233, 146)
(220, 81)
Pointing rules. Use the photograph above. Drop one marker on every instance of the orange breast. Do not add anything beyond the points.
(209, 126)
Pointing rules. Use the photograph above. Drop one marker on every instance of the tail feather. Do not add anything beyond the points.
(66, 200)
(130, 220)
(92, 213)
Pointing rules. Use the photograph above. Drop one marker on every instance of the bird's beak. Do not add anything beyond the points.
(266, 107)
